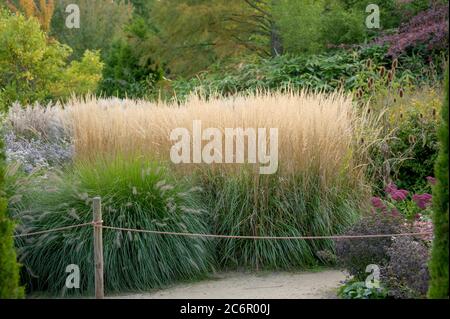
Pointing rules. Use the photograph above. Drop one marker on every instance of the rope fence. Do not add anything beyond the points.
(98, 226)
(155, 232)
(264, 237)
(52, 230)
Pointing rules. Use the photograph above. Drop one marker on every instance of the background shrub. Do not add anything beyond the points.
(415, 140)
(298, 24)
(41, 10)
(135, 194)
(128, 73)
(412, 119)
(424, 33)
(81, 77)
(328, 71)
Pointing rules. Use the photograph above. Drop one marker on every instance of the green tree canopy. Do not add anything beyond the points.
(34, 67)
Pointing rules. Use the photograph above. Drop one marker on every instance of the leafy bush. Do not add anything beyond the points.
(9, 269)
(128, 73)
(81, 77)
(43, 11)
(356, 254)
(34, 67)
(322, 72)
(439, 286)
(359, 290)
(406, 274)
(402, 260)
(135, 194)
(341, 27)
(298, 23)
(416, 139)
(411, 117)
(341, 69)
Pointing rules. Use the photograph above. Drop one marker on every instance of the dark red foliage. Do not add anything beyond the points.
(406, 275)
(428, 29)
(355, 254)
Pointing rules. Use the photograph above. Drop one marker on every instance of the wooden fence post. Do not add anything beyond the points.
(98, 247)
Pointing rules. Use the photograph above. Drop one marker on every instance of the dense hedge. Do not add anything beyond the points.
(9, 269)
(439, 286)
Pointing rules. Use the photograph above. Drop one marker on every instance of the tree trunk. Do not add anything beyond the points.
(276, 44)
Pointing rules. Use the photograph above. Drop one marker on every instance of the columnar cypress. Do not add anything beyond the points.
(9, 268)
(439, 258)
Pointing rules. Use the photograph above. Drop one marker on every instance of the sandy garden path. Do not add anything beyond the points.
(264, 285)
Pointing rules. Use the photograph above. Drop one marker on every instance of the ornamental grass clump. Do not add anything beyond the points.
(317, 190)
(318, 187)
(276, 206)
(135, 194)
(316, 132)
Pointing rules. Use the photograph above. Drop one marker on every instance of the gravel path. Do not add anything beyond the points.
(265, 285)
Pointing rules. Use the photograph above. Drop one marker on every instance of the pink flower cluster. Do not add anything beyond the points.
(422, 200)
(395, 193)
(431, 180)
(377, 202)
